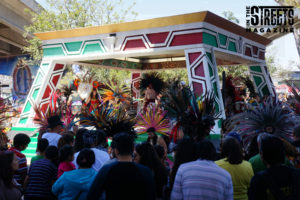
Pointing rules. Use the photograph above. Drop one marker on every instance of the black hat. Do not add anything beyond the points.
(54, 121)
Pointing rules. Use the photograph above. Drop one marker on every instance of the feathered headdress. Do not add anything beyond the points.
(271, 116)
(176, 99)
(249, 84)
(106, 117)
(116, 92)
(67, 90)
(99, 117)
(41, 118)
(154, 79)
(201, 116)
(153, 119)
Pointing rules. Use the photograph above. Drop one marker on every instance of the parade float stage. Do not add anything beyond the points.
(198, 42)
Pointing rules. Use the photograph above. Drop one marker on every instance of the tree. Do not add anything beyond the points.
(230, 16)
(68, 14)
(296, 31)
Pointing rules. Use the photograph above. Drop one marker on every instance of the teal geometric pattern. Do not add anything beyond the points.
(260, 78)
(74, 48)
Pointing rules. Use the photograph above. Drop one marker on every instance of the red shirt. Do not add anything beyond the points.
(65, 167)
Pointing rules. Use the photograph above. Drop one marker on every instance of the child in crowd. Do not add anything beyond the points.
(20, 143)
(66, 156)
(67, 138)
(41, 176)
(76, 184)
(41, 148)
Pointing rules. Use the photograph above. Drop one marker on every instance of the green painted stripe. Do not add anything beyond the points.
(257, 80)
(209, 56)
(27, 107)
(92, 48)
(232, 46)
(256, 68)
(214, 136)
(35, 93)
(73, 46)
(22, 129)
(23, 120)
(265, 91)
(222, 39)
(38, 78)
(54, 51)
(210, 39)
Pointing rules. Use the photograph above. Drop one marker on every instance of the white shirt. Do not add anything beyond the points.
(101, 157)
(52, 138)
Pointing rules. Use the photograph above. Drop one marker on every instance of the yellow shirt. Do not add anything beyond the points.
(241, 175)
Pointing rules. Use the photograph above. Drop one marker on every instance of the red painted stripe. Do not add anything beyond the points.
(134, 44)
(157, 38)
(47, 92)
(55, 79)
(193, 56)
(187, 39)
(58, 67)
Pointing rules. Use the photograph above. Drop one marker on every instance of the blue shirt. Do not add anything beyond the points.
(74, 184)
(202, 179)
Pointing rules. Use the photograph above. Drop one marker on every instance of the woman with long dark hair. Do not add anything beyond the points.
(8, 186)
(146, 155)
(240, 170)
(184, 152)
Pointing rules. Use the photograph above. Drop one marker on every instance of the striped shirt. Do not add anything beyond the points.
(202, 179)
(41, 174)
(21, 173)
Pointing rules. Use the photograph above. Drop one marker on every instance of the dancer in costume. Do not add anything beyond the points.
(115, 93)
(93, 100)
(55, 101)
(271, 116)
(201, 116)
(155, 124)
(176, 100)
(152, 85)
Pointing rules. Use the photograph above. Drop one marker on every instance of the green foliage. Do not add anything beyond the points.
(174, 74)
(69, 14)
(230, 16)
(294, 3)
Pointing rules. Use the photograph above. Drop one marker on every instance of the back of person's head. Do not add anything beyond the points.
(272, 150)
(79, 139)
(151, 130)
(21, 140)
(124, 143)
(148, 155)
(101, 138)
(205, 150)
(90, 139)
(42, 145)
(184, 152)
(160, 151)
(232, 150)
(65, 139)
(51, 153)
(297, 132)
(65, 153)
(6, 169)
(85, 158)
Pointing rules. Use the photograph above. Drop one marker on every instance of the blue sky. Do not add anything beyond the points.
(283, 49)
